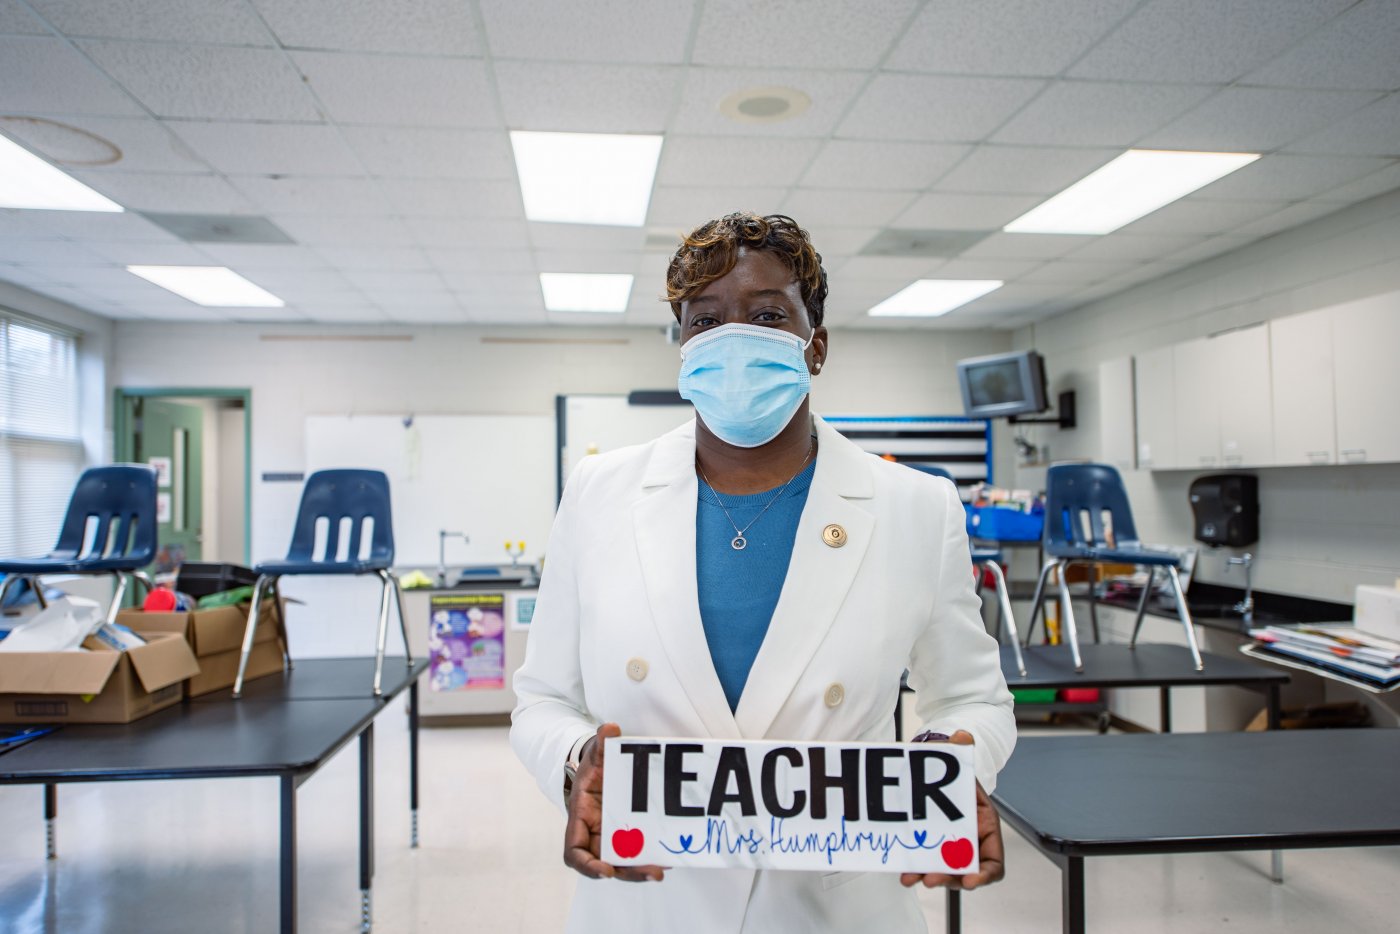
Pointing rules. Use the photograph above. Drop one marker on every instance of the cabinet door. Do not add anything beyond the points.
(1300, 361)
(1197, 381)
(1365, 338)
(1116, 442)
(1243, 397)
(1154, 381)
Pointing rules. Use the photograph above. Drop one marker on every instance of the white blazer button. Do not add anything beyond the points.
(835, 695)
(637, 669)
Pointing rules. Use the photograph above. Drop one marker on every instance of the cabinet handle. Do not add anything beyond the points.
(1319, 457)
(1234, 458)
(1207, 461)
(1354, 454)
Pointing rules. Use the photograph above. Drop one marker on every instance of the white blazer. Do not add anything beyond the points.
(616, 636)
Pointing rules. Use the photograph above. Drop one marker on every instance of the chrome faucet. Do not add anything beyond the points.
(443, 536)
(1246, 606)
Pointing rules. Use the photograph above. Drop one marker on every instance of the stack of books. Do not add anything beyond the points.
(1335, 647)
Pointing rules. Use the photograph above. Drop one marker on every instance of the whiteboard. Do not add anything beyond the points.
(595, 424)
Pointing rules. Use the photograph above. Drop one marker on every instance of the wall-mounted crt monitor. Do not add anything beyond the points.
(1003, 384)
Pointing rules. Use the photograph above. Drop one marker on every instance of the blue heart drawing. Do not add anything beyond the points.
(685, 842)
(920, 836)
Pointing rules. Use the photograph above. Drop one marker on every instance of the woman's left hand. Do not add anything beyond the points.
(989, 852)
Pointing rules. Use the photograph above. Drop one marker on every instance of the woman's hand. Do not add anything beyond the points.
(989, 851)
(584, 823)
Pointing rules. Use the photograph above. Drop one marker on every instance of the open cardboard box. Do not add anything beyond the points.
(97, 686)
(216, 636)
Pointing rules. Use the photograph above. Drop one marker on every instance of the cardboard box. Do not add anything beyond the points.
(98, 686)
(216, 636)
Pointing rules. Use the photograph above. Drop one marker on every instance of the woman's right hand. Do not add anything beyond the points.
(583, 828)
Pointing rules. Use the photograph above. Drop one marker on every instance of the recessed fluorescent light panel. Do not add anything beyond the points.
(929, 298)
(1136, 183)
(211, 286)
(586, 178)
(26, 181)
(579, 291)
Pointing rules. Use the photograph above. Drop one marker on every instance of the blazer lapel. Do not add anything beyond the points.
(819, 577)
(663, 521)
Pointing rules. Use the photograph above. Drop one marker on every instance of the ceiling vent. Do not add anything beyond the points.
(923, 243)
(220, 228)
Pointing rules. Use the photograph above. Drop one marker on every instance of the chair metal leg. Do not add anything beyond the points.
(117, 597)
(275, 592)
(383, 636)
(1004, 614)
(36, 585)
(1070, 632)
(145, 580)
(1142, 604)
(1185, 616)
(1093, 604)
(5, 586)
(403, 620)
(250, 631)
(1039, 595)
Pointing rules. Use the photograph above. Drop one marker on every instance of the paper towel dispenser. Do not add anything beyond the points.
(1226, 507)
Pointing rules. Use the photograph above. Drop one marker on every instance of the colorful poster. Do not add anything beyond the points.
(467, 641)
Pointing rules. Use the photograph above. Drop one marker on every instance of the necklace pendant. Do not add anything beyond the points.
(739, 543)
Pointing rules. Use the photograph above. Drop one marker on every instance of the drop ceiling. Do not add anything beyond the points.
(374, 134)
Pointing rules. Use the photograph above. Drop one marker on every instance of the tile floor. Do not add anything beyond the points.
(157, 857)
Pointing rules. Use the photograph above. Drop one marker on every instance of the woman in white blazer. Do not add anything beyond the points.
(869, 576)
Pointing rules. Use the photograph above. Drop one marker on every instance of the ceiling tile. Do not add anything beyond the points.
(15, 20)
(213, 21)
(841, 206)
(407, 152)
(796, 33)
(140, 144)
(869, 164)
(1377, 183)
(1023, 169)
(1373, 130)
(306, 195)
(263, 255)
(1207, 248)
(459, 232)
(545, 236)
(372, 281)
(333, 230)
(1005, 269)
(455, 197)
(1286, 219)
(336, 313)
(1003, 37)
(687, 208)
(45, 76)
(941, 210)
(423, 27)
(400, 91)
(476, 287)
(83, 225)
(839, 240)
(401, 258)
(206, 81)
(586, 97)
(1290, 177)
(830, 93)
(165, 192)
(1199, 216)
(289, 314)
(612, 31)
(1069, 271)
(711, 160)
(1356, 50)
(1128, 247)
(448, 260)
(17, 224)
(1023, 246)
(1203, 40)
(1255, 119)
(935, 107)
(48, 251)
(426, 314)
(893, 269)
(269, 148)
(145, 254)
(305, 281)
(1094, 113)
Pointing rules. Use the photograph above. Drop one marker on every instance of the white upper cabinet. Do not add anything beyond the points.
(1198, 386)
(1305, 418)
(1116, 437)
(1242, 396)
(1366, 360)
(1155, 380)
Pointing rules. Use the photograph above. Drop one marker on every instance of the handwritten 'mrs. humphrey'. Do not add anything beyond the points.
(894, 807)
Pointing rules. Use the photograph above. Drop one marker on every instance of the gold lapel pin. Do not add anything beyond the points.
(834, 535)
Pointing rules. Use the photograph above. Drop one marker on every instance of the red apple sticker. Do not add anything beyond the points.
(628, 843)
(956, 853)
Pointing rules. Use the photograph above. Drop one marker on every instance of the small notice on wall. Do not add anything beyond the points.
(466, 642)
(828, 807)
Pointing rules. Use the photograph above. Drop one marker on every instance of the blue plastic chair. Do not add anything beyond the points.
(1078, 500)
(989, 559)
(110, 528)
(348, 501)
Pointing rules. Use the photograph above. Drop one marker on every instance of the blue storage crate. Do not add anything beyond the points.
(992, 523)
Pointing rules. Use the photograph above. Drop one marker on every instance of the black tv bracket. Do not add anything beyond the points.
(1064, 417)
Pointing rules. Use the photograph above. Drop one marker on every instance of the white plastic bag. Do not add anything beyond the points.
(60, 627)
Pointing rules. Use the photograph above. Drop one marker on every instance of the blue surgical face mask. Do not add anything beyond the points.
(745, 381)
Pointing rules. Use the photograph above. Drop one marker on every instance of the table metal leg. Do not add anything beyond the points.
(954, 901)
(51, 821)
(1072, 901)
(366, 826)
(413, 763)
(1276, 866)
(289, 855)
(1166, 709)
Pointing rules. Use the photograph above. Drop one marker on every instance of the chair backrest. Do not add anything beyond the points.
(1087, 505)
(348, 501)
(933, 471)
(111, 517)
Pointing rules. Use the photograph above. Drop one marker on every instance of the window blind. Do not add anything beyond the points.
(41, 447)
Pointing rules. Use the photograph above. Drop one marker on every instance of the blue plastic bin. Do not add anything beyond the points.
(995, 524)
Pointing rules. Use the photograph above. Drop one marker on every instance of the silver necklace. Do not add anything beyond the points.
(739, 542)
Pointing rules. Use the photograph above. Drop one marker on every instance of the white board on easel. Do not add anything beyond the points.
(595, 424)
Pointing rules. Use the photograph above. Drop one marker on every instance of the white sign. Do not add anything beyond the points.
(162, 507)
(896, 807)
(161, 465)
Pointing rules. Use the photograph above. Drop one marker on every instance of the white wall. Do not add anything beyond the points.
(1323, 529)
(229, 545)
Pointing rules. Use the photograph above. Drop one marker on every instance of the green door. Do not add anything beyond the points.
(169, 437)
